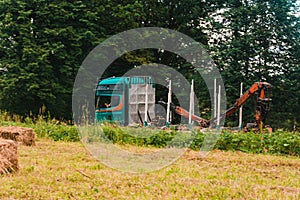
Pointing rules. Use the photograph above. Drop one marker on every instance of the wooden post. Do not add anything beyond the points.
(169, 104)
(241, 110)
(146, 105)
(191, 111)
(215, 98)
(219, 108)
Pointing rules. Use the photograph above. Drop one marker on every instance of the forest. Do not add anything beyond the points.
(43, 44)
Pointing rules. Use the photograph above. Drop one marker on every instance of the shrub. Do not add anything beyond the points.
(279, 142)
(56, 131)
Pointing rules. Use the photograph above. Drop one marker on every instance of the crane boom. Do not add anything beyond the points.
(181, 111)
(262, 89)
(258, 87)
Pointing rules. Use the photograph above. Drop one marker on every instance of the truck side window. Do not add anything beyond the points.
(108, 101)
(115, 100)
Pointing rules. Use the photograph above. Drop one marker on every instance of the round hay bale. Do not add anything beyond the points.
(8, 156)
(22, 135)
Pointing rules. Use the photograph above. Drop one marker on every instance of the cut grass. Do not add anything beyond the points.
(65, 170)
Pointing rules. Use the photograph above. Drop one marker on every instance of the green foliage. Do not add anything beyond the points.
(156, 138)
(56, 131)
(279, 142)
(43, 43)
(257, 41)
(43, 127)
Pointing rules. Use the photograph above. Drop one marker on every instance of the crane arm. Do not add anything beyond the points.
(256, 87)
(181, 111)
(261, 89)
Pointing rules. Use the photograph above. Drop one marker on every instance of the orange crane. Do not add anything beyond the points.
(262, 89)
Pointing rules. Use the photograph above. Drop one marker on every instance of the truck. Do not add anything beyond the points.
(131, 100)
(125, 100)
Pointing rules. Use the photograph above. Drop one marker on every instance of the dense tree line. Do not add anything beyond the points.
(43, 43)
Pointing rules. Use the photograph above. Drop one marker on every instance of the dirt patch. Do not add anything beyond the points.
(8, 156)
(22, 135)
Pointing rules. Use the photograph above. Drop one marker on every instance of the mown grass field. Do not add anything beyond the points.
(65, 170)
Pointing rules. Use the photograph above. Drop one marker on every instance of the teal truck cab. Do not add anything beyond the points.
(125, 100)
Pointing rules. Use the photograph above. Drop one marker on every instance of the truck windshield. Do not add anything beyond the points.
(107, 101)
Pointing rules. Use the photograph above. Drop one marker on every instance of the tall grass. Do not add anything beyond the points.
(279, 142)
(43, 126)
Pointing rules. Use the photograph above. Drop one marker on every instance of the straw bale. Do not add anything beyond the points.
(22, 135)
(8, 156)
